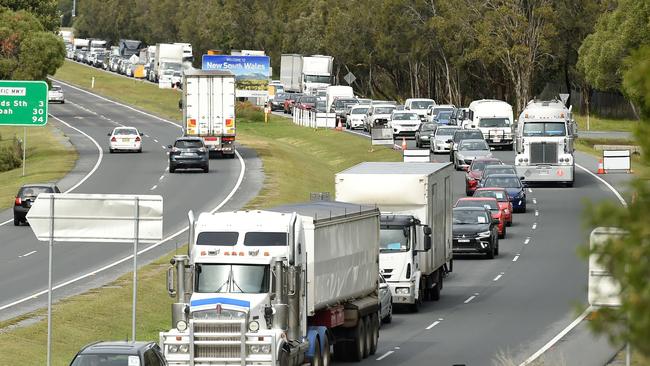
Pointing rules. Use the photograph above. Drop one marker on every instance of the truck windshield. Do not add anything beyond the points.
(235, 278)
(421, 104)
(544, 129)
(393, 239)
(225, 238)
(494, 122)
(265, 239)
(324, 79)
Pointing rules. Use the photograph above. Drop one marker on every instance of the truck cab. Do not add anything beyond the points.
(419, 106)
(545, 139)
(495, 119)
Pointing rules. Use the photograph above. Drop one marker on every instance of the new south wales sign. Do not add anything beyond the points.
(23, 103)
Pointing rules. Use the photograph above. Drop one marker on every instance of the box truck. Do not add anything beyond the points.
(495, 119)
(305, 74)
(168, 65)
(415, 200)
(209, 109)
(277, 287)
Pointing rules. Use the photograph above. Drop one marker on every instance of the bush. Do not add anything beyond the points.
(10, 155)
(249, 111)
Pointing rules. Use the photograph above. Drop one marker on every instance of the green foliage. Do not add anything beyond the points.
(46, 11)
(10, 155)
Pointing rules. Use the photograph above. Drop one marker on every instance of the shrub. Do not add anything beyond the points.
(10, 155)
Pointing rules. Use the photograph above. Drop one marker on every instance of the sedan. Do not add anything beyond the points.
(277, 103)
(125, 138)
(474, 231)
(55, 94)
(502, 198)
(424, 134)
(460, 135)
(468, 150)
(188, 152)
(26, 196)
(440, 142)
(491, 204)
(476, 171)
(512, 184)
(385, 301)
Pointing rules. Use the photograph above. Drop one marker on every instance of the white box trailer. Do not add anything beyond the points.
(417, 199)
(209, 109)
(291, 72)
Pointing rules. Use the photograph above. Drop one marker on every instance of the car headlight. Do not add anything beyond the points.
(172, 348)
(181, 325)
(402, 290)
(520, 194)
(253, 326)
(484, 234)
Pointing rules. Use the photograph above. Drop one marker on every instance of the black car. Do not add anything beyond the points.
(188, 152)
(498, 169)
(462, 135)
(475, 231)
(26, 196)
(277, 103)
(424, 134)
(120, 353)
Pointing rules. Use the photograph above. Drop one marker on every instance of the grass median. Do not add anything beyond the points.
(296, 161)
(605, 124)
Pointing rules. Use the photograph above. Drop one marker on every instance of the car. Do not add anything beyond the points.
(443, 118)
(356, 116)
(424, 134)
(321, 105)
(404, 123)
(502, 198)
(419, 106)
(125, 138)
(475, 173)
(498, 169)
(306, 102)
(512, 184)
(188, 152)
(55, 94)
(26, 196)
(120, 353)
(290, 101)
(385, 301)
(474, 231)
(378, 115)
(339, 106)
(462, 134)
(277, 103)
(440, 142)
(471, 149)
(434, 110)
(491, 204)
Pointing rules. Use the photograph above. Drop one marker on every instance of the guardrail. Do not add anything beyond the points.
(310, 118)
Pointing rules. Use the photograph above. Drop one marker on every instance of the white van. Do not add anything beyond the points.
(495, 119)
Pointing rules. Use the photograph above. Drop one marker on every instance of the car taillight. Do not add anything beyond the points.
(137, 139)
(228, 139)
(113, 139)
(18, 201)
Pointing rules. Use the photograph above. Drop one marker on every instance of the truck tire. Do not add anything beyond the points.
(341, 351)
(374, 338)
(358, 344)
(317, 360)
(326, 352)
(367, 323)
(435, 290)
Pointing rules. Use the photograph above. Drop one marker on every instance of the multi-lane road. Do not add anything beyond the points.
(87, 119)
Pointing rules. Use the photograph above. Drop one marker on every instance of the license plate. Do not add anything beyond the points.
(463, 240)
(188, 154)
(125, 140)
(544, 172)
(496, 139)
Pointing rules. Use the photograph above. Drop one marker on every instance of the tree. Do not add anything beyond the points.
(46, 11)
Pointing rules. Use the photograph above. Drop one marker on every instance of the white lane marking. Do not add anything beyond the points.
(535, 200)
(527, 241)
(584, 314)
(163, 146)
(161, 177)
(27, 254)
(515, 258)
(155, 140)
(536, 212)
(498, 277)
(385, 355)
(91, 172)
(154, 187)
(470, 298)
(534, 226)
(111, 265)
(397, 348)
(434, 323)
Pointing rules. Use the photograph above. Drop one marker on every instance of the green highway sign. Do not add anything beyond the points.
(23, 103)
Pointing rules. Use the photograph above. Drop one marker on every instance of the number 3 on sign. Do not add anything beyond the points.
(40, 103)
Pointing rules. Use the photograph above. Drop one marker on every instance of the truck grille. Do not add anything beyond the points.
(218, 340)
(543, 153)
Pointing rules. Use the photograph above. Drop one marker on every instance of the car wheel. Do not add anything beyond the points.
(139, 150)
(111, 151)
(490, 253)
(63, 102)
(16, 222)
(389, 318)
(496, 250)
(172, 169)
(503, 235)
(206, 169)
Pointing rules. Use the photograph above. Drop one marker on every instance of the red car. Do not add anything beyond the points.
(490, 203)
(289, 102)
(501, 196)
(475, 172)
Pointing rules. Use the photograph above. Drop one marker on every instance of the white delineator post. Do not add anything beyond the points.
(136, 233)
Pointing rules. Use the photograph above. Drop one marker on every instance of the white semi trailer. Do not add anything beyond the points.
(495, 119)
(415, 200)
(546, 133)
(278, 287)
(305, 74)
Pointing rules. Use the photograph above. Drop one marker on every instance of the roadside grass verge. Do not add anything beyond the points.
(296, 161)
(586, 145)
(605, 124)
(49, 158)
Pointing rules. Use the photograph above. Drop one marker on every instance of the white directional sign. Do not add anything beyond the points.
(349, 78)
(97, 217)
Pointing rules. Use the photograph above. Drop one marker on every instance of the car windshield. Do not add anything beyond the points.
(487, 203)
(473, 145)
(359, 110)
(406, 117)
(393, 239)
(428, 127)
(421, 104)
(125, 131)
(188, 144)
(384, 110)
(505, 182)
(494, 122)
(445, 131)
(33, 191)
(501, 196)
(341, 103)
(469, 217)
(481, 164)
(444, 115)
(103, 360)
(436, 111)
(544, 129)
(324, 79)
(466, 135)
(235, 278)
(56, 88)
(280, 97)
(500, 170)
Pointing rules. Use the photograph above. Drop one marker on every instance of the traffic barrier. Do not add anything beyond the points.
(601, 170)
(404, 143)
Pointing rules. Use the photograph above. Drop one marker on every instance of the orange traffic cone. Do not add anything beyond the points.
(403, 143)
(339, 127)
(601, 170)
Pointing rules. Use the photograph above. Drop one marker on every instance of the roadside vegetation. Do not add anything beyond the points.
(605, 124)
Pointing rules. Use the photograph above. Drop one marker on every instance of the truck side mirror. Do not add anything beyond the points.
(427, 242)
(426, 230)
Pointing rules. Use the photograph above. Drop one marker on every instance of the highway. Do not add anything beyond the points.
(87, 119)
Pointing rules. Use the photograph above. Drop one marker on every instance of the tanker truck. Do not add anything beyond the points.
(286, 286)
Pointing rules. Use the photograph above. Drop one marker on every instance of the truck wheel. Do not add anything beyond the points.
(326, 352)
(341, 351)
(317, 360)
(358, 345)
(435, 291)
(389, 318)
(367, 321)
(374, 338)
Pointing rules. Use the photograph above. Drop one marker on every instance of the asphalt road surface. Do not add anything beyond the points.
(86, 120)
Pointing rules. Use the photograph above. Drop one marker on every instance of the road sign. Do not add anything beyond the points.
(23, 103)
(604, 290)
(349, 78)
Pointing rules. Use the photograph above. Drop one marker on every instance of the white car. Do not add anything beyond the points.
(55, 94)
(404, 123)
(442, 139)
(385, 301)
(125, 138)
(355, 118)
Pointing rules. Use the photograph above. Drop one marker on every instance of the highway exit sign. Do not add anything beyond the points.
(23, 103)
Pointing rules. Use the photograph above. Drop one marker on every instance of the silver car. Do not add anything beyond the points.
(385, 301)
(441, 139)
(470, 149)
(55, 94)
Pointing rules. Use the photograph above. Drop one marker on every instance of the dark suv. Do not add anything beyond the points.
(120, 353)
(26, 196)
(188, 152)
(475, 231)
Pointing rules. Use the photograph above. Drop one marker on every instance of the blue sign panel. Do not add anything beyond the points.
(252, 73)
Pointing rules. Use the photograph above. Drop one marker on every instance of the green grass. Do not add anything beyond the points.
(604, 124)
(296, 161)
(49, 158)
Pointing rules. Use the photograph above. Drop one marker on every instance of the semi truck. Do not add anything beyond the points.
(305, 74)
(415, 200)
(168, 65)
(495, 119)
(279, 287)
(209, 109)
(546, 133)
